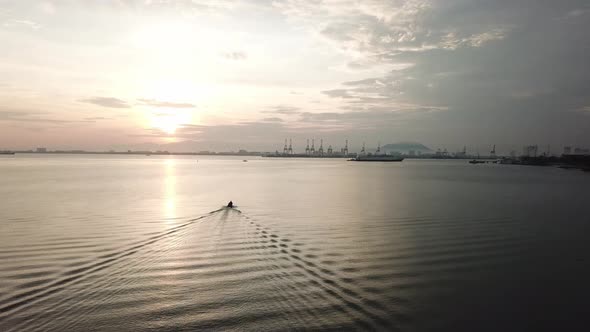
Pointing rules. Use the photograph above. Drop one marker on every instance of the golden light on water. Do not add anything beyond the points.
(170, 190)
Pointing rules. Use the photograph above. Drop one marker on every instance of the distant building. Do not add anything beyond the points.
(41, 150)
(581, 151)
(567, 150)
(412, 153)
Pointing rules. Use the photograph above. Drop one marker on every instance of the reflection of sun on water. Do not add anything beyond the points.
(170, 190)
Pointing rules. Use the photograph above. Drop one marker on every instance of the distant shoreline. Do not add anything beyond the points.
(147, 153)
(250, 154)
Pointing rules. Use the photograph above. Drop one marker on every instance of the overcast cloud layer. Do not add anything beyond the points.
(202, 75)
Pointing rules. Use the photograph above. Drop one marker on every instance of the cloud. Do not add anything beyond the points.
(453, 41)
(157, 103)
(95, 118)
(578, 12)
(273, 120)
(284, 110)
(17, 114)
(235, 55)
(370, 118)
(491, 66)
(374, 28)
(18, 23)
(107, 102)
(362, 82)
(181, 4)
(33, 116)
(118, 103)
(337, 93)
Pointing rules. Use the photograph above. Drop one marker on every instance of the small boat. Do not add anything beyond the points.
(245, 160)
(6, 152)
(567, 167)
(475, 161)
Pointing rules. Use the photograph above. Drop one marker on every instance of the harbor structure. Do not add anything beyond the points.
(311, 151)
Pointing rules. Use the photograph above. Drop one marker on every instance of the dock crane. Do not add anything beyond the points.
(285, 149)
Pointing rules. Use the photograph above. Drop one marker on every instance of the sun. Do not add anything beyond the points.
(169, 121)
(168, 126)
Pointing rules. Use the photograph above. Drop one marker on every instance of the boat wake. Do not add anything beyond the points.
(222, 270)
(95, 264)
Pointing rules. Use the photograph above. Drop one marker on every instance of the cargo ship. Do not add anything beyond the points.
(377, 156)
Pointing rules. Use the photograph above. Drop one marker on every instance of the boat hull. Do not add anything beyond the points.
(379, 159)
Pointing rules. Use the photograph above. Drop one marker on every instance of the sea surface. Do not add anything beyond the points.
(137, 243)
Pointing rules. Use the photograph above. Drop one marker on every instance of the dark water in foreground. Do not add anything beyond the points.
(104, 243)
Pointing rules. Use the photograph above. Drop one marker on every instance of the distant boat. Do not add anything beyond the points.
(567, 167)
(475, 161)
(6, 152)
(245, 160)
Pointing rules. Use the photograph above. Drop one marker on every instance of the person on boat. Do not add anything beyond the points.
(230, 204)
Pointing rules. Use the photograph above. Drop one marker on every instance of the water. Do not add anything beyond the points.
(128, 243)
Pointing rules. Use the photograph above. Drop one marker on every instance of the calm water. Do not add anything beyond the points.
(130, 243)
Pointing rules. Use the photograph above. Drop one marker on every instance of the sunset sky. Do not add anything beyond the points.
(223, 75)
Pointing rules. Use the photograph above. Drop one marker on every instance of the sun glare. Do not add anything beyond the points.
(169, 121)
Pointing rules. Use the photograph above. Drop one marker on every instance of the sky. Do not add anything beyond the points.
(184, 75)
